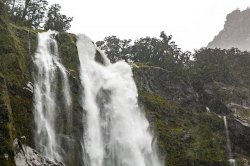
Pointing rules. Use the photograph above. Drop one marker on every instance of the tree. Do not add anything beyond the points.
(159, 52)
(28, 12)
(115, 48)
(3, 7)
(56, 21)
(213, 65)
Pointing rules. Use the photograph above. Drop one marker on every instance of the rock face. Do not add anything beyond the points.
(190, 119)
(17, 47)
(26, 156)
(158, 81)
(6, 123)
(16, 101)
(236, 32)
(240, 142)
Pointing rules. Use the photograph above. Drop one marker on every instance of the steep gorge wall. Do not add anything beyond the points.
(189, 122)
(17, 47)
(15, 73)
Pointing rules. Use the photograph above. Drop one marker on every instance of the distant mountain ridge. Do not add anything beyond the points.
(236, 32)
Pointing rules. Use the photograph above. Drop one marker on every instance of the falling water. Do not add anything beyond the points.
(231, 160)
(48, 76)
(116, 131)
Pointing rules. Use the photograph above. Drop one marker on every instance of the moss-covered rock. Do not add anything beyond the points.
(6, 126)
(188, 122)
(17, 46)
(185, 137)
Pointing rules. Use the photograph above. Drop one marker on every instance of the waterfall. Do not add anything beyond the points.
(116, 132)
(51, 98)
(231, 160)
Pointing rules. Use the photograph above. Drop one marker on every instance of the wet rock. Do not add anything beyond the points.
(239, 134)
(26, 156)
(29, 87)
(245, 162)
(159, 81)
(186, 136)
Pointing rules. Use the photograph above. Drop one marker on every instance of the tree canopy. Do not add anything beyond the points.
(56, 21)
(37, 14)
(161, 51)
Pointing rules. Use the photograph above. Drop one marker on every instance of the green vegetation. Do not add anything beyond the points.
(6, 126)
(153, 51)
(185, 137)
(36, 14)
(56, 21)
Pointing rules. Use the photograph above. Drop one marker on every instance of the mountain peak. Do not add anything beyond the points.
(236, 32)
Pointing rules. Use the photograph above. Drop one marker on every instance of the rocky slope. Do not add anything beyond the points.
(186, 117)
(236, 32)
(189, 122)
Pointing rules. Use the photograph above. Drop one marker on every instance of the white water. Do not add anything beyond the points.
(231, 160)
(116, 131)
(48, 70)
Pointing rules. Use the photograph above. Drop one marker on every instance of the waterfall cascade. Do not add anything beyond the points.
(116, 131)
(231, 160)
(49, 76)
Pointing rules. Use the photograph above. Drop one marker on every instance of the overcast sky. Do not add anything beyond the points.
(193, 23)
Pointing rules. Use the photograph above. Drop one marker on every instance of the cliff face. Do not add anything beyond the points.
(236, 32)
(17, 48)
(15, 73)
(187, 120)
